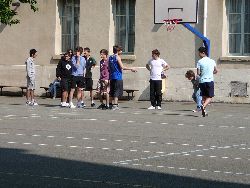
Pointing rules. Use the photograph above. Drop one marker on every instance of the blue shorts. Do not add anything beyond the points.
(207, 89)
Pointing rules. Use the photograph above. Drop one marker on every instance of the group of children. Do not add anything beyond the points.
(74, 71)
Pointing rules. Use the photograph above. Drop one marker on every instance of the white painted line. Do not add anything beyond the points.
(186, 154)
(243, 148)
(112, 120)
(185, 144)
(10, 116)
(3, 133)
(193, 169)
(50, 136)
(42, 144)
(180, 124)
(160, 152)
(169, 143)
(69, 137)
(146, 151)
(201, 125)
(142, 158)
(239, 173)
(241, 127)
(136, 164)
(134, 141)
(182, 168)
(199, 155)
(227, 172)
(118, 140)
(36, 135)
(223, 126)
(148, 165)
(224, 157)
(217, 171)
(204, 170)
(58, 145)
(123, 163)
(164, 123)
(73, 146)
(237, 158)
(129, 160)
(148, 122)
(205, 149)
(86, 138)
(152, 142)
(54, 117)
(199, 145)
(89, 147)
(119, 149)
(27, 143)
(212, 156)
(170, 167)
(131, 121)
(92, 119)
(103, 139)
(133, 150)
(160, 166)
(11, 142)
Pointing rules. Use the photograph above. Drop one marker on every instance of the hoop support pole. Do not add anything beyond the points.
(205, 40)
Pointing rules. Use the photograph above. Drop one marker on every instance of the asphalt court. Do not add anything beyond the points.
(120, 148)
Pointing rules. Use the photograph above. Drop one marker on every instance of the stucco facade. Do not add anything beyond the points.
(42, 30)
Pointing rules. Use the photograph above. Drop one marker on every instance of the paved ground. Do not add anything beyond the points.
(48, 146)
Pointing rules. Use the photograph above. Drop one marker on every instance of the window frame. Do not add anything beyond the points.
(127, 15)
(72, 27)
(242, 33)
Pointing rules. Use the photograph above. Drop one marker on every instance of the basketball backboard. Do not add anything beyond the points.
(186, 10)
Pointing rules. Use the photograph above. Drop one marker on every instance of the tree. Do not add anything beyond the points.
(8, 10)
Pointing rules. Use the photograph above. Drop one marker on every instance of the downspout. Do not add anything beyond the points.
(205, 19)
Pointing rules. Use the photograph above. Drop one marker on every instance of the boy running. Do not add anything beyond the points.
(31, 76)
(90, 64)
(206, 68)
(116, 83)
(156, 65)
(77, 81)
(104, 80)
(190, 75)
(63, 74)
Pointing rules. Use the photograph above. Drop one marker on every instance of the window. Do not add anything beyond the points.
(239, 27)
(125, 25)
(70, 24)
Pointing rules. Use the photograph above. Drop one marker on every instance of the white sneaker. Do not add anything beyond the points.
(64, 104)
(71, 105)
(28, 103)
(34, 104)
(151, 108)
(158, 107)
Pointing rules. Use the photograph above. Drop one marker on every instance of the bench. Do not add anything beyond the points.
(46, 91)
(130, 91)
(21, 87)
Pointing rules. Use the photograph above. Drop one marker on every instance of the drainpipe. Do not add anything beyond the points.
(205, 19)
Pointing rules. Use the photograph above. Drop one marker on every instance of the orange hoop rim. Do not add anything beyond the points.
(171, 23)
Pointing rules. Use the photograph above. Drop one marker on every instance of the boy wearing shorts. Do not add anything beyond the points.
(77, 80)
(206, 68)
(90, 64)
(116, 82)
(103, 84)
(31, 76)
(63, 74)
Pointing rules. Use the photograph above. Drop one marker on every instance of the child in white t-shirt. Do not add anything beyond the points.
(156, 65)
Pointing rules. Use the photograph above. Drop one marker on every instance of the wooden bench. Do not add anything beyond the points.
(21, 87)
(46, 91)
(130, 91)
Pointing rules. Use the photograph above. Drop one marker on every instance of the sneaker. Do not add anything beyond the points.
(34, 104)
(197, 110)
(158, 107)
(101, 106)
(151, 108)
(83, 105)
(92, 104)
(80, 105)
(71, 105)
(28, 103)
(105, 107)
(115, 107)
(203, 111)
(64, 104)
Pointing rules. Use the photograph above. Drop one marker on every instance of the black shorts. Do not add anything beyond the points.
(65, 84)
(77, 81)
(116, 88)
(207, 89)
(88, 84)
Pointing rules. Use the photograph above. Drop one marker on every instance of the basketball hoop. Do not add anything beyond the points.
(170, 24)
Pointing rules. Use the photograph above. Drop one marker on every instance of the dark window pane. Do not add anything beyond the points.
(121, 7)
(234, 44)
(66, 42)
(247, 44)
(66, 25)
(234, 23)
(247, 23)
(76, 41)
(132, 7)
(235, 6)
(121, 31)
(247, 6)
(131, 35)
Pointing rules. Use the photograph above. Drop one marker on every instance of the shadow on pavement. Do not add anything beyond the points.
(18, 168)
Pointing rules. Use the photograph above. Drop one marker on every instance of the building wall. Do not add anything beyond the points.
(41, 30)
